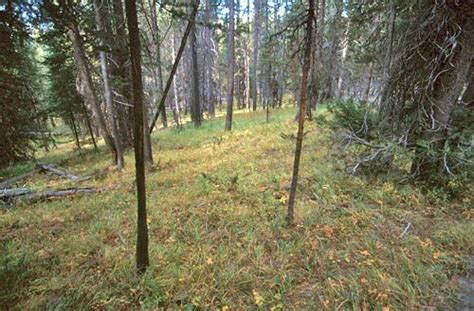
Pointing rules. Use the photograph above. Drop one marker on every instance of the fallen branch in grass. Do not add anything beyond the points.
(6, 183)
(41, 166)
(25, 194)
(5, 194)
(405, 231)
(60, 172)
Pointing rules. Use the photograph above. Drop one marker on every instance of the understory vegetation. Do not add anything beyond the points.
(370, 147)
(218, 239)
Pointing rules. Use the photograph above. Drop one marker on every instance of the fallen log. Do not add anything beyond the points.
(60, 172)
(25, 194)
(6, 183)
(5, 194)
(55, 170)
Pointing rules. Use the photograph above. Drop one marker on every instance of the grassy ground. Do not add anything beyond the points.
(218, 239)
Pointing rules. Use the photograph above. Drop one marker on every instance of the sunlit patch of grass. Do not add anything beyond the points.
(218, 238)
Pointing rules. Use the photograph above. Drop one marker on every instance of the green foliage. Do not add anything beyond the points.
(17, 101)
(63, 99)
(376, 149)
(354, 116)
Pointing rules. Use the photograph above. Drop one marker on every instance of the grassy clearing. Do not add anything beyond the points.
(217, 203)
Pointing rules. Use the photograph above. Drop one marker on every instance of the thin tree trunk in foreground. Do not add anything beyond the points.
(137, 95)
(304, 93)
(230, 68)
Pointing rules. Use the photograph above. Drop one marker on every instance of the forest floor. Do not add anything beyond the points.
(218, 239)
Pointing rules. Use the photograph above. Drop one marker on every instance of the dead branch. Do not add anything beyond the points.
(4, 184)
(25, 194)
(60, 172)
(5, 194)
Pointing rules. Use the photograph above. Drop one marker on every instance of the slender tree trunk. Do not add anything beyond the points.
(119, 160)
(391, 34)
(89, 126)
(370, 72)
(139, 130)
(83, 66)
(195, 98)
(333, 47)
(120, 72)
(176, 108)
(314, 74)
(340, 79)
(74, 130)
(303, 97)
(156, 51)
(256, 45)
(230, 67)
(189, 27)
(247, 79)
(147, 141)
(209, 56)
(247, 60)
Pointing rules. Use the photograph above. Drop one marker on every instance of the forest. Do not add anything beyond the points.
(236, 154)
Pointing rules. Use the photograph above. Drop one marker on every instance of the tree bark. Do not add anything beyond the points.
(333, 47)
(156, 50)
(176, 108)
(340, 78)
(209, 55)
(195, 98)
(89, 126)
(370, 72)
(448, 89)
(230, 67)
(107, 87)
(120, 71)
(74, 130)
(83, 67)
(256, 46)
(142, 257)
(303, 97)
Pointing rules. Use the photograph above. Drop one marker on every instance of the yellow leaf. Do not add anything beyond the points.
(258, 298)
(436, 255)
(209, 261)
(364, 252)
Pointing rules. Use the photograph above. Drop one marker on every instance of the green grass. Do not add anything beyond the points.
(217, 206)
